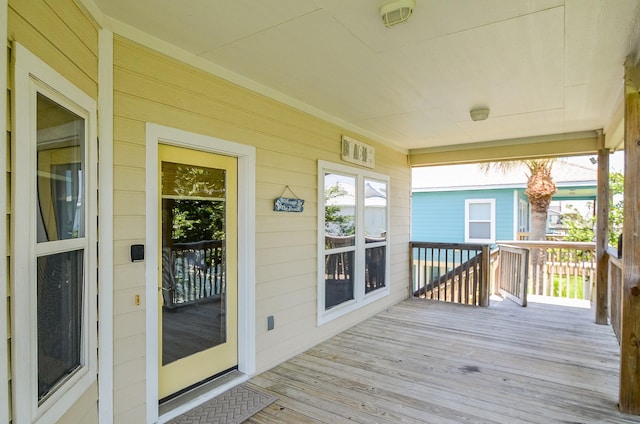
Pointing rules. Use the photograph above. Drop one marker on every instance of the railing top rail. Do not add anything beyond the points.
(444, 245)
(199, 244)
(553, 244)
(512, 248)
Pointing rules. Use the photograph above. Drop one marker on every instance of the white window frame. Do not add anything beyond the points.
(524, 216)
(31, 76)
(520, 215)
(360, 298)
(467, 221)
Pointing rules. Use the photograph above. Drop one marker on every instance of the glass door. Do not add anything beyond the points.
(198, 280)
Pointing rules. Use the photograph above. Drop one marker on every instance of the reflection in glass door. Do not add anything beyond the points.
(198, 301)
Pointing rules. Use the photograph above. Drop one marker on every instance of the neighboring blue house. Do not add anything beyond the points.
(463, 204)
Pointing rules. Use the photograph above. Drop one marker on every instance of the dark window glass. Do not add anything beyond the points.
(59, 297)
(375, 262)
(338, 282)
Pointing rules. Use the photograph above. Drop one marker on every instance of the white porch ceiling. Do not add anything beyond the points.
(541, 66)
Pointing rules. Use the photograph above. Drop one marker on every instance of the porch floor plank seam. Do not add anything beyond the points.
(432, 362)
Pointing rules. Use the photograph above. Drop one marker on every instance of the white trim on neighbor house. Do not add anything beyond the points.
(492, 220)
(499, 186)
(360, 298)
(105, 225)
(246, 156)
(33, 75)
(524, 208)
(4, 353)
(468, 188)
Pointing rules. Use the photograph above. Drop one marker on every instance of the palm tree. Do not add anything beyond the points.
(540, 189)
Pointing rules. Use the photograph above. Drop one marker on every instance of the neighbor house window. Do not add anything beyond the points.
(479, 216)
(54, 253)
(353, 230)
(523, 216)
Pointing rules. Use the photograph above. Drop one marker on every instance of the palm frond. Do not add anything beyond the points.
(504, 167)
(501, 167)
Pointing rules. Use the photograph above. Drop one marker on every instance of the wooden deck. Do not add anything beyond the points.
(430, 362)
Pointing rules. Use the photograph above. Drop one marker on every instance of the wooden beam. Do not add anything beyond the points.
(631, 76)
(614, 132)
(629, 399)
(602, 233)
(572, 144)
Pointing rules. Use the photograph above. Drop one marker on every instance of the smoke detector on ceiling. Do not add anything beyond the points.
(479, 113)
(396, 12)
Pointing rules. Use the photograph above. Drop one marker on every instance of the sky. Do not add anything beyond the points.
(616, 161)
(616, 164)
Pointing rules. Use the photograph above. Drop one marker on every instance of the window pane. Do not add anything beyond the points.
(375, 210)
(339, 210)
(338, 278)
(480, 211)
(180, 181)
(480, 230)
(60, 161)
(60, 292)
(375, 268)
(523, 217)
(194, 284)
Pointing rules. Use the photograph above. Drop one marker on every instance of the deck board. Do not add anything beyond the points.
(431, 362)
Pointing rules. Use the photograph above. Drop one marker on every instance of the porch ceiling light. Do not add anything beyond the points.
(479, 113)
(396, 12)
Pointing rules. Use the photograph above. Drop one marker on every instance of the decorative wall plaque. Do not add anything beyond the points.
(357, 152)
(288, 204)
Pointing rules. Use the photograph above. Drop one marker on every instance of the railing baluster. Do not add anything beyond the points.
(578, 266)
(432, 267)
(197, 271)
(477, 274)
(446, 270)
(438, 273)
(466, 279)
(432, 262)
(460, 277)
(558, 270)
(428, 264)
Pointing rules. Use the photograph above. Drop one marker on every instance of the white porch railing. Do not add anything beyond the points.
(560, 269)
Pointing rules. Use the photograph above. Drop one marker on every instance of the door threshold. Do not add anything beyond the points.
(199, 395)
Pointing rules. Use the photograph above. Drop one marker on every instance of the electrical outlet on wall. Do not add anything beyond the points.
(270, 323)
